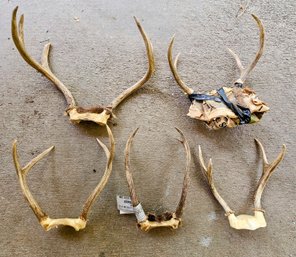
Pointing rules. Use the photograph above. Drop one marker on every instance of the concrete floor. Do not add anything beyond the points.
(97, 52)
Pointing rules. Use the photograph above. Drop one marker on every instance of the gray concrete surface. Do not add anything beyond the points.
(99, 56)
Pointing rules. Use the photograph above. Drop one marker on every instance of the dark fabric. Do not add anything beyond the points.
(243, 113)
(203, 97)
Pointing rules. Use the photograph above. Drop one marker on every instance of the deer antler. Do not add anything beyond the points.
(244, 221)
(245, 71)
(46, 222)
(151, 69)
(226, 106)
(208, 173)
(167, 219)
(99, 114)
(17, 31)
(268, 169)
(173, 65)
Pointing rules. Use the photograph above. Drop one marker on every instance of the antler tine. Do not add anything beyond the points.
(22, 172)
(208, 172)
(173, 66)
(96, 192)
(244, 72)
(146, 77)
(17, 32)
(186, 180)
(266, 173)
(237, 59)
(128, 172)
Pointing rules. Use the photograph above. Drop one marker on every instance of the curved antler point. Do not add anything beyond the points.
(137, 21)
(179, 130)
(172, 40)
(15, 9)
(135, 132)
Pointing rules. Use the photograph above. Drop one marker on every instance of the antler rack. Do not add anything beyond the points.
(98, 114)
(167, 219)
(244, 71)
(46, 222)
(226, 106)
(244, 221)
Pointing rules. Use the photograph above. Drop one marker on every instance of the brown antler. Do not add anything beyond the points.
(186, 180)
(46, 222)
(99, 114)
(151, 69)
(245, 71)
(208, 173)
(17, 31)
(168, 219)
(243, 221)
(268, 169)
(173, 65)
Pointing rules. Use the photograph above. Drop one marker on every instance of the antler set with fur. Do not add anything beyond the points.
(98, 114)
(244, 221)
(167, 219)
(227, 106)
(77, 223)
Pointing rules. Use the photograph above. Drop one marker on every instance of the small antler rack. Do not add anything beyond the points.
(248, 222)
(167, 219)
(46, 222)
(226, 106)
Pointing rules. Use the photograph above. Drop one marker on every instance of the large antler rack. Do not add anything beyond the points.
(46, 222)
(98, 114)
(243, 221)
(227, 106)
(167, 219)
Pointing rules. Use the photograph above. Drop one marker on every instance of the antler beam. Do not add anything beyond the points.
(246, 71)
(17, 31)
(267, 170)
(167, 219)
(46, 222)
(173, 65)
(146, 77)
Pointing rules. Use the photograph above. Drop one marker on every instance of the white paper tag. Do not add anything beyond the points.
(124, 204)
(140, 214)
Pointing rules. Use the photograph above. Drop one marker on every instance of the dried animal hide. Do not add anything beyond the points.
(217, 114)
